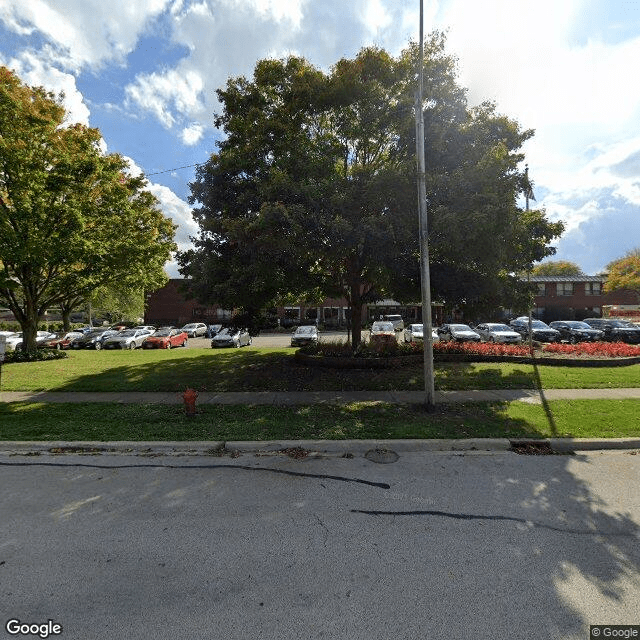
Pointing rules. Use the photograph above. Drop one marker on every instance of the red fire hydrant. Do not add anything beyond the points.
(189, 397)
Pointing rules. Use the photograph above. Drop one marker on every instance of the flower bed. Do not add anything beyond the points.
(595, 349)
(480, 348)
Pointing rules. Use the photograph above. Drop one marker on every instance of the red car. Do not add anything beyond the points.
(165, 338)
(61, 341)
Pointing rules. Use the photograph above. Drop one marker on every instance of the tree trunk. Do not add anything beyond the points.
(356, 314)
(66, 319)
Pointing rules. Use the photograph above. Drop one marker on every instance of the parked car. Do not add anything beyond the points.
(497, 332)
(414, 333)
(458, 333)
(195, 329)
(127, 339)
(539, 330)
(146, 327)
(231, 337)
(93, 339)
(616, 330)
(396, 320)
(306, 334)
(61, 340)
(166, 338)
(382, 332)
(14, 341)
(213, 330)
(575, 331)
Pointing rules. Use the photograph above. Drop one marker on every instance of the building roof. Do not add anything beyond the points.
(578, 278)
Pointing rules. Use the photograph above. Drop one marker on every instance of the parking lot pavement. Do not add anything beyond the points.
(269, 339)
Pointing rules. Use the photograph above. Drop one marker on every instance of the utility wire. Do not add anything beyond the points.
(198, 164)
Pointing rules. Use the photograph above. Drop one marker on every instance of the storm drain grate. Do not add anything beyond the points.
(532, 448)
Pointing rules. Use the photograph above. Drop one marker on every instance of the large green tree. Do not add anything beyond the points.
(72, 219)
(313, 188)
(624, 273)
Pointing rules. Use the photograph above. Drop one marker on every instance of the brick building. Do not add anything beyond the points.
(576, 297)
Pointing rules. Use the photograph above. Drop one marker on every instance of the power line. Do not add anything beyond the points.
(187, 166)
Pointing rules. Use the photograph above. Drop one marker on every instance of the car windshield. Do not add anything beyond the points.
(305, 331)
(498, 327)
(162, 333)
(382, 326)
(92, 334)
(225, 332)
(575, 324)
(416, 328)
(538, 324)
(188, 326)
(127, 333)
(461, 327)
(623, 324)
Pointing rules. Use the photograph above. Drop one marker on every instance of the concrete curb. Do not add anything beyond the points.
(330, 448)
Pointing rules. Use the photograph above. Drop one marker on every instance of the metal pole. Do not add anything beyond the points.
(526, 173)
(425, 280)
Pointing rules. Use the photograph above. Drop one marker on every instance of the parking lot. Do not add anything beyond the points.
(271, 339)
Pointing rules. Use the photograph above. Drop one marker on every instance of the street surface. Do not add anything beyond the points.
(273, 339)
(431, 545)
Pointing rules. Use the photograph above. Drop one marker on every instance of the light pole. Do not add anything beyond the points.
(425, 281)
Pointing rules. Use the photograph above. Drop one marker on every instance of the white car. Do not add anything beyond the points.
(415, 333)
(14, 341)
(497, 332)
(306, 334)
(195, 329)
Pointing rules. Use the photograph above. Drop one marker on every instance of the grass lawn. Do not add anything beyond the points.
(105, 422)
(253, 369)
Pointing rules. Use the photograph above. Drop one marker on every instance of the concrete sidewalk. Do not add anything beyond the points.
(292, 398)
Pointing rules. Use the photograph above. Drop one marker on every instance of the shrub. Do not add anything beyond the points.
(480, 348)
(40, 355)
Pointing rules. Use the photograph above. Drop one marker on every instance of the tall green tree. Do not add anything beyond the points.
(557, 268)
(71, 218)
(624, 273)
(313, 187)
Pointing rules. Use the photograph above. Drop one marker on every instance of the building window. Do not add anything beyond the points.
(565, 288)
(542, 289)
(592, 288)
(292, 314)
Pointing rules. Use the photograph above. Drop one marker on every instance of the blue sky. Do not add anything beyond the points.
(145, 73)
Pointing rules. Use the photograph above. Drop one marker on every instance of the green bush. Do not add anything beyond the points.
(40, 355)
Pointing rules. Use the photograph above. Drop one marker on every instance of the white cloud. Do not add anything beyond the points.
(89, 32)
(164, 94)
(192, 134)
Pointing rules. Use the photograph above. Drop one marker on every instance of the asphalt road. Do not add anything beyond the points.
(433, 545)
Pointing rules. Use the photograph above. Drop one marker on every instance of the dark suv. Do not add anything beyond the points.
(575, 331)
(539, 330)
(616, 330)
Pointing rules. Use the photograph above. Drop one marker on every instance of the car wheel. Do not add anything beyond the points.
(58, 347)
(249, 343)
(492, 339)
(131, 346)
(184, 344)
(167, 346)
(573, 340)
(98, 346)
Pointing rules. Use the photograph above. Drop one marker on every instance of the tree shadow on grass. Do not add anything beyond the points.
(253, 370)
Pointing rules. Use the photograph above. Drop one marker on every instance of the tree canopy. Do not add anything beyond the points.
(72, 219)
(624, 273)
(557, 268)
(313, 192)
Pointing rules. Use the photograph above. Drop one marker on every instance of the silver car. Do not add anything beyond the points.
(195, 329)
(231, 338)
(497, 332)
(127, 339)
(307, 334)
(458, 333)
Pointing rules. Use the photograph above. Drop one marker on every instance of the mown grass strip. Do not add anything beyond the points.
(276, 370)
(108, 422)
